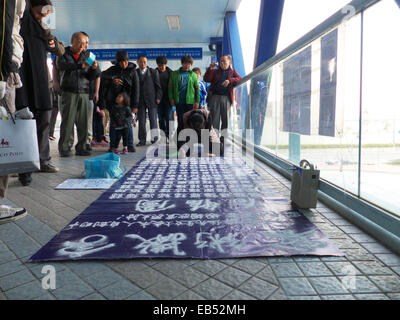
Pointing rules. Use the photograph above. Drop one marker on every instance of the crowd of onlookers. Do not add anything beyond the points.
(95, 102)
(127, 94)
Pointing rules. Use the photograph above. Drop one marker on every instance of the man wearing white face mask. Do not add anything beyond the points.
(11, 52)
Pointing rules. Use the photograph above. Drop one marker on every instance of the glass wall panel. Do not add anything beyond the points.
(380, 161)
(309, 106)
(300, 17)
(333, 144)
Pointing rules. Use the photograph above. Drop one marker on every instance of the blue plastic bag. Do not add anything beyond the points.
(106, 166)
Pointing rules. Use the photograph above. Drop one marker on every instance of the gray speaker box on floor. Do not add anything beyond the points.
(305, 183)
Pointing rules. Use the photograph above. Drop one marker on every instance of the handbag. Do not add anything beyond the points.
(106, 166)
(19, 151)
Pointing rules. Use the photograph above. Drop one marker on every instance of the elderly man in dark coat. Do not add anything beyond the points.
(35, 92)
(149, 97)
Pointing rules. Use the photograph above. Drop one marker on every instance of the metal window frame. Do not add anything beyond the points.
(330, 23)
(377, 222)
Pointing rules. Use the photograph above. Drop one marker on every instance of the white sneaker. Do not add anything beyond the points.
(8, 214)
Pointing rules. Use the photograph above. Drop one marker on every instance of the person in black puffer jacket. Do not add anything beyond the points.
(117, 79)
(75, 77)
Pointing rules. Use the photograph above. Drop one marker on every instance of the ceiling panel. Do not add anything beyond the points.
(134, 21)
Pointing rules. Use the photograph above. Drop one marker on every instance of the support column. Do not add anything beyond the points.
(269, 24)
(231, 44)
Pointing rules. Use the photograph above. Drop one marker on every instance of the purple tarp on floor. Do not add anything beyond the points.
(203, 208)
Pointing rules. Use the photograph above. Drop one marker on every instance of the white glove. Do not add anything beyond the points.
(2, 89)
(24, 114)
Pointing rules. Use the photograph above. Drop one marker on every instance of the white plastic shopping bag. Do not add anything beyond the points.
(19, 152)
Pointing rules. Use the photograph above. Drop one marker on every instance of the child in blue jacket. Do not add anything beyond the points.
(203, 90)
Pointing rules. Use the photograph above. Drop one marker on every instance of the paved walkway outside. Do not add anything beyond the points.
(377, 268)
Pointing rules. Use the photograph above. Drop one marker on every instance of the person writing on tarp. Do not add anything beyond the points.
(203, 140)
(11, 53)
(35, 93)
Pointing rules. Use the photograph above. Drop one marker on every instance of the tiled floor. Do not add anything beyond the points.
(376, 269)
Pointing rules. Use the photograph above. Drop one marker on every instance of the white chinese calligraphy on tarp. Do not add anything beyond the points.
(147, 206)
(215, 241)
(243, 203)
(85, 246)
(160, 243)
(202, 204)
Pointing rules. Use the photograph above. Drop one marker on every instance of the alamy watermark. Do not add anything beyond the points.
(349, 11)
(49, 280)
(349, 281)
(206, 143)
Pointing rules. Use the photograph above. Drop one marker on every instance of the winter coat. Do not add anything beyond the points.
(109, 91)
(213, 75)
(34, 73)
(6, 49)
(18, 42)
(120, 117)
(165, 98)
(203, 94)
(192, 93)
(150, 88)
(73, 77)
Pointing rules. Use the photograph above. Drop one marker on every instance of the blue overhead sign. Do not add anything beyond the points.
(150, 53)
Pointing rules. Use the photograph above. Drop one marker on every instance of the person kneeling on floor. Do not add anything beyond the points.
(201, 139)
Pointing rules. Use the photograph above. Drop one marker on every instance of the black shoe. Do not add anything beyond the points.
(25, 179)
(155, 140)
(65, 154)
(141, 144)
(131, 149)
(88, 147)
(82, 153)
